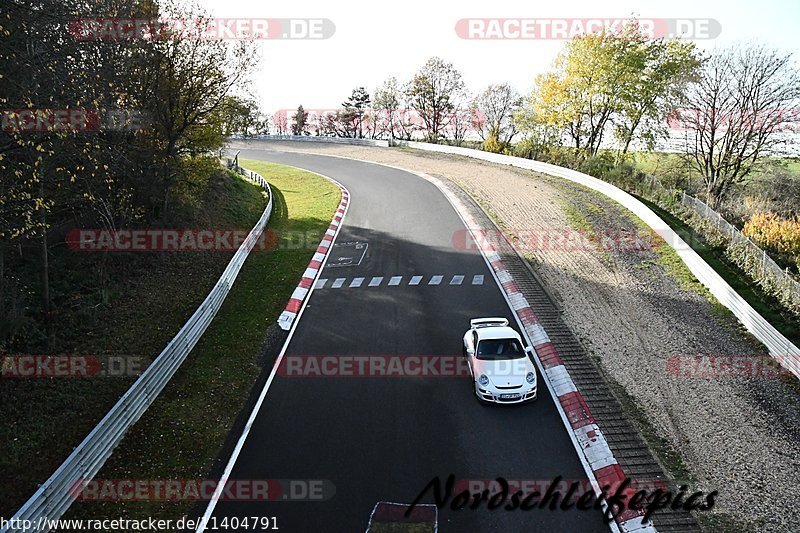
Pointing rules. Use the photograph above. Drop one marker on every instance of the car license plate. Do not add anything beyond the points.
(509, 396)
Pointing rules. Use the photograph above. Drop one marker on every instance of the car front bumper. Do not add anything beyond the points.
(491, 394)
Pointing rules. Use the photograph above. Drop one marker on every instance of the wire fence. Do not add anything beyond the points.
(750, 257)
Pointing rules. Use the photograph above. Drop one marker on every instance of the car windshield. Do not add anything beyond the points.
(499, 349)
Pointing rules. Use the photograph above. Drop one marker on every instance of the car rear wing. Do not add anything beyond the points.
(486, 322)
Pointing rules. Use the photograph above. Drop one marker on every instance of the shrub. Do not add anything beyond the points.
(775, 232)
(599, 166)
(491, 145)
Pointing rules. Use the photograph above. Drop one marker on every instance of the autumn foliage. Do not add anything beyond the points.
(775, 232)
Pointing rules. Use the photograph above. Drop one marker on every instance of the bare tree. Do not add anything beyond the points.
(388, 101)
(494, 112)
(281, 122)
(746, 97)
(432, 92)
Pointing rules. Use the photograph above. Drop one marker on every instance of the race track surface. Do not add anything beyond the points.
(384, 438)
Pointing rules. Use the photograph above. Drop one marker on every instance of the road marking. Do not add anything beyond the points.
(455, 280)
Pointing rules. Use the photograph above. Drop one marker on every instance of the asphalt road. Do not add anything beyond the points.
(383, 438)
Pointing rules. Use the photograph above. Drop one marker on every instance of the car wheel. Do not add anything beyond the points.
(476, 395)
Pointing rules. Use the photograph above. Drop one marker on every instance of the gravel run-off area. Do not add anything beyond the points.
(637, 318)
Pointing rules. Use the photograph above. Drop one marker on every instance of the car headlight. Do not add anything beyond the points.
(483, 380)
(531, 377)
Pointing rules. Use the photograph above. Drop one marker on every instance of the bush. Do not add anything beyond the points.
(599, 166)
(776, 233)
(491, 145)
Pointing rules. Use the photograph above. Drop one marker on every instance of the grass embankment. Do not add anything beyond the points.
(185, 428)
(147, 297)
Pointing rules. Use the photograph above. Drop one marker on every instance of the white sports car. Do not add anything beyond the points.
(499, 362)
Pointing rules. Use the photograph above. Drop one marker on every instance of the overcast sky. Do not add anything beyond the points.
(374, 40)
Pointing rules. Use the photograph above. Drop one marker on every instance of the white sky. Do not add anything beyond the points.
(374, 40)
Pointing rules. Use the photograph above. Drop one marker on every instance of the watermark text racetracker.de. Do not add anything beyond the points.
(569, 28)
(28, 366)
(565, 239)
(167, 240)
(730, 366)
(173, 490)
(73, 119)
(234, 29)
(188, 240)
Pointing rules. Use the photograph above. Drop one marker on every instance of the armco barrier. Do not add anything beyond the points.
(57, 493)
(317, 139)
(779, 346)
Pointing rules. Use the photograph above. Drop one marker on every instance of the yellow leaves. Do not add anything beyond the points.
(773, 231)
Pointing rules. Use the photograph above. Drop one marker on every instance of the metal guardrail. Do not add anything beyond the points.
(780, 348)
(54, 497)
(316, 139)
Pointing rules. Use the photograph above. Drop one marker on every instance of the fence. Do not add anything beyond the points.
(317, 139)
(55, 496)
(755, 261)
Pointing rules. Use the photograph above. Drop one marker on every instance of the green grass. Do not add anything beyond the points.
(184, 430)
(575, 217)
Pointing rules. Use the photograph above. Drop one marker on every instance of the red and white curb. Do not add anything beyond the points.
(590, 439)
(315, 265)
